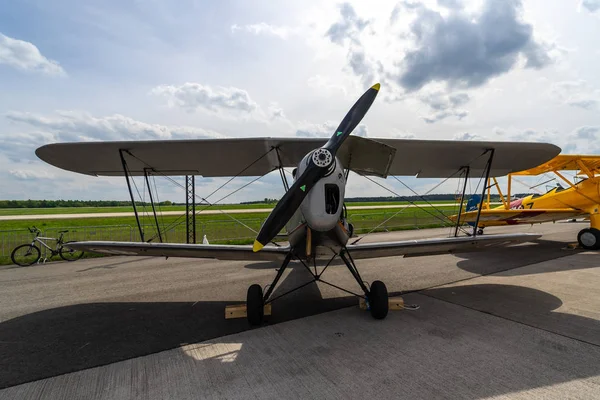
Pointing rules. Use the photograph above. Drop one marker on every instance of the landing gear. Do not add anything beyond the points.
(376, 296)
(255, 305)
(589, 238)
(378, 300)
(480, 231)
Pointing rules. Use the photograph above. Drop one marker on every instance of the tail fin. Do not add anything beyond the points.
(473, 203)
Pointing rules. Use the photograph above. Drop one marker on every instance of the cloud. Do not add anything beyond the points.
(324, 85)
(445, 114)
(588, 133)
(347, 31)
(465, 50)
(348, 28)
(326, 129)
(467, 136)
(591, 5)
(193, 96)
(30, 174)
(25, 56)
(80, 126)
(445, 105)
(575, 94)
(263, 28)
(588, 104)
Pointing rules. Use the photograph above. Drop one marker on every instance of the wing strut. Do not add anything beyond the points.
(462, 199)
(488, 167)
(152, 203)
(137, 217)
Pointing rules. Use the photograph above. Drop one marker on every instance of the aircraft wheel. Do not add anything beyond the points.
(589, 238)
(480, 231)
(255, 305)
(378, 300)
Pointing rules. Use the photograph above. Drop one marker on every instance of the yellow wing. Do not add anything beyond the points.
(514, 217)
(565, 162)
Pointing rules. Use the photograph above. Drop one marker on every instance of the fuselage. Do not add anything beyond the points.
(319, 225)
(584, 196)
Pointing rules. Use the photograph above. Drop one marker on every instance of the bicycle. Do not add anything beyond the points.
(28, 254)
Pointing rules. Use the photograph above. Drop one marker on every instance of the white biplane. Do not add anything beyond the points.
(311, 209)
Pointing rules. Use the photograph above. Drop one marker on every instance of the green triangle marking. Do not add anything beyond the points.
(339, 133)
(303, 188)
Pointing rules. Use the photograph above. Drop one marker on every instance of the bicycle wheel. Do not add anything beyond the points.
(69, 254)
(25, 255)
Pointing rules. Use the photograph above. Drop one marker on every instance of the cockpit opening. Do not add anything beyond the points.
(332, 198)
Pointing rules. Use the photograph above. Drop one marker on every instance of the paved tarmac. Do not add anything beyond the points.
(531, 329)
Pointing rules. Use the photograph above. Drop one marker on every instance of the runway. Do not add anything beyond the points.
(203, 212)
(515, 323)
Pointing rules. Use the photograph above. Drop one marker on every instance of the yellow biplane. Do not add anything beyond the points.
(576, 200)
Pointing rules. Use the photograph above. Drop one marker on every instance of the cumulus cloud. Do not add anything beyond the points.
(467, 50)
(193, 96)
(591, 5)
(467, 136)
(348, 28)
(326, 129)
(575, 94)
(444, 105)
(347, 31)
(80, 126)
(263, 28)
(26, 56)
(324, 85)
(24, 174)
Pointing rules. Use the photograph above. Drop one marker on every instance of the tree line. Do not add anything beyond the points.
(72, 203)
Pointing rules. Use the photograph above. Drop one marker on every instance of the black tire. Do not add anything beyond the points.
(25, 255)
(480, 231)
(69, 254)
(255, 305)
(378, 300)
(589, 238)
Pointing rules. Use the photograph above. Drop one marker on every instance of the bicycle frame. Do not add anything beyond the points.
(40, 240)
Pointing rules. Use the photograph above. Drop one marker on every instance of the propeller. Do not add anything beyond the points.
(319, 164)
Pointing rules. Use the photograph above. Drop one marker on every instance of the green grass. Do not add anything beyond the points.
(93, 210)
(219, 228)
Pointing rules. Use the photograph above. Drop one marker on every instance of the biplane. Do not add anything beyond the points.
(576, 200)
(312, 208)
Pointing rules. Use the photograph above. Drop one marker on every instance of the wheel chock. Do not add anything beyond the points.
(395, 303)
(239, 311)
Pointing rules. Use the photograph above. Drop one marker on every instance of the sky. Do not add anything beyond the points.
(504, 70)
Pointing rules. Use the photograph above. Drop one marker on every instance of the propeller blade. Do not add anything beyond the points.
(352, 119)
(317, 167)
(287, 206)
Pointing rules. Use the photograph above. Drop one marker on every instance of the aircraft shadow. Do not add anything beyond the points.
(66, 339)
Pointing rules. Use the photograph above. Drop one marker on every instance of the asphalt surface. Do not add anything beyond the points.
(66, 317)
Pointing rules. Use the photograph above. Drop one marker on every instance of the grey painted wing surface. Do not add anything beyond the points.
(256, 157)
(219, 252)
(425, 247)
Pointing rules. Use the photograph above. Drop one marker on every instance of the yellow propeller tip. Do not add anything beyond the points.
(376, 86)
(257, 246)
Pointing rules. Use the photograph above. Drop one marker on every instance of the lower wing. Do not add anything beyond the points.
(271, 253)
(515, 217)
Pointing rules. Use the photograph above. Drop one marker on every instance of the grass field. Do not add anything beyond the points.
(219, 228)
(91, 210)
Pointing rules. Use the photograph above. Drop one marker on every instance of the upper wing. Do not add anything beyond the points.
(258, 156)
(423, 247)
(514, 217)
(219, 252)
(565, 162)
